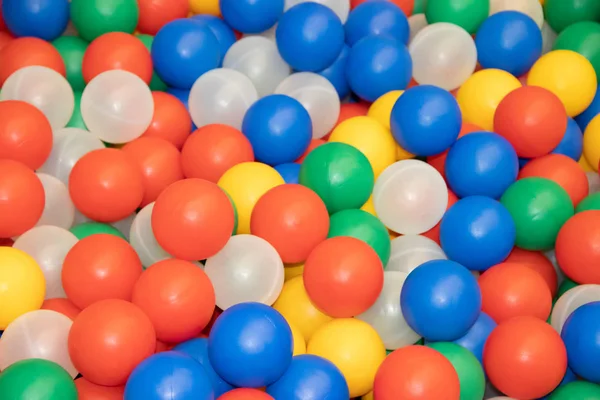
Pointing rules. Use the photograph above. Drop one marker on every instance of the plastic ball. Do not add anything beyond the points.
(90, 391)
(580, 37)
(155, 14)
(576, 390)
(381, 109)
(290, 172)
(476, 337)
(198, 350)
(591, 144)
(51, 381)
(410, 251)
(336, 73)
(570, 301)
(538, 262)
(246, 394)
(155, 83)
(26, 52)
(531, 8)
(170, 121)
(576, 247)
(72, 50)
(143, 240)
(62, 306)
(376, 18)
(76, 120)
(561, 14)
(209, 7)
(525, 358)
(589, 113)
(86, 229)
(95, 18)
(58, 208)
(251, 16)
(571, 144)
(224, 33)
(468, 14)
(41, 19)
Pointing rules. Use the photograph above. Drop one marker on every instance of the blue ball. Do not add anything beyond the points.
(475, 338)
(310, 377)
(336, 73)
(198, 350)
(279, 129)
(183, 50)
(182, 95)
(250, 345)
(510, 41)
(589, 113)
(251, 16)
(481, 163)
(426, 120)
(169, 376)
(289, 172)
(224, 34)
(523, 162)
(571, 145)
(477, 232)
(44, 19)
(580, 334)
(310, 37)
(440, 300)
(377, 17)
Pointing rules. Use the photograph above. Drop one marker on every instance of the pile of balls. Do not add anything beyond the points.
(299, 200)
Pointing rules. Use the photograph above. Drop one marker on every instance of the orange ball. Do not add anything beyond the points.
(439, 161)
(293, 219)
(343, 276)
(154, 14)
(159, 162)
(513, 290)
(405, 5)
(87, 390)
(561, 169)
(109, 339)
(532, 119)
(28, 51)
(211, 150)
(245, 394)
(100, 267)
(525, 358)
(416, 372)
(117, 50)
(22, 198)
(178, 297)
(538, 262)
(193, 219)
(314, 143)
(106, 185)
(5, 38)
(63, 306)
(578, 247)
(434, 233)
(171, 120)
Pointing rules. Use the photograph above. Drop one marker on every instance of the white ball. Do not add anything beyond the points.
(410, 197)
(117, 106)
(221, 96)
(122, 225)
(533, 8)
(571, 300)
(59, 209)
(247, 269)
(410, 251)
(49, 246)
(443, 55)
(548, 38)
(38, 334)
(318, 96)
(416, 23)
(340, 7)
(268, 34)
(142, 238)
(593, 182)
(258, 58)
(44, 88)
(385, 315)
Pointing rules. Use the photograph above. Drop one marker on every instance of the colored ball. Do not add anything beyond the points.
(76, 120)
(577, 390)
(154, 14)
(538, 262)
(156, 83)
(37, 378)
(581, 37)
(376, 18)
(224, 33)
(26, 52)
(591, 202)
(576, 247)
(589, 113)
(561, 14)
(251, 16)
(571, 300)
(381, 109)
(336, 73)
(86, 229)
(246, 394)
(591, 144)
(571, 145)
(468, 14)
(36, 18)
(97, 17)
(72, 50)
(476, 337)
(290, 172)
(210, 7)
(90, 391)
(63, 306)
(171, 120)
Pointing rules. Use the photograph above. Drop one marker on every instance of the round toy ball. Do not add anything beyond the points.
(468, 14)
(340, 7)
(336, 73)
(436, 126)
(250, 345)
(579, 334)
(22, 202)
(473, 224)
(155, 83)
(576, 247)
(428, 296)
(410, 251)
(72, 50)
(381, 109)
(345, 182)
(416, 372)
(510, 41)
(41, 19)
(443, 55)
(343, 276)
(591, 144)
(37, 378)
(377, 65)
(86, 229)
(571, 300)
(410, 197)
(538, 262)
(476, 337)
(27, 52)
(576, 390)
(571, 144)
(63, 306)
(314, 143)
(58, 209)
(539, 208)
(171, 120)
(154, 14)
(87, 389)
(224, 33)
(591, 202)
(290, 172)
(525, 358)
(142, 238)
(303, 47)
(376, 18)
(246, 394)
(580, 38)
(279, 129)
(93, 19)
(251, 16)
(192, 219)
(44, 88)
(531, 8)
(589, 113)
(563, 14)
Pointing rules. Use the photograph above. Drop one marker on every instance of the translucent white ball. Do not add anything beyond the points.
(142, 239)
(44, 88)
(410, 251)
(122, 225)
(443, 55)
(548, 38)
(59, 209)
(340, 7)
(117, 106)
(571, 300)
(593, 182)
(385, 316)
(221, 96)
(257, 57)
(533, 8)
(410, 197)
(38, 334)
(317, 95)
(268, 34)
(416, 23)
(247, 269)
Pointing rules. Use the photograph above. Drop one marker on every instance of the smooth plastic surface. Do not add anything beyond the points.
(572, 300)
(58, 207)
(410, 251)
(376, 18)
(142, 238)
(52, 383)
(531, 8)
(340, 7)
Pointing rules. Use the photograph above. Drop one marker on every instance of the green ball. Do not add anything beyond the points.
(539, 208)
(565, 286)
(468, 14)
(36, 379)
(469, 370)
(419, 7)
(76, 120)
(562, 13)
(340, 174)
(94, 228)
(361, 225)
(583, 38)
(578, 390)
(156, 83)
(591, 202)
(72, 49)
(93, 18)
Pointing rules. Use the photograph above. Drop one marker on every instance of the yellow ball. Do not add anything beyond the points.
(368, 396)
(293, 270)
(480, 95)
(369, 206)
(354, 347)
(246, 183)
(381, 109)
(371, 138)
(205, 7)
(22, 285)
(585, 165)
(591, 143)
(295, 306)
(299, 342)
(568, 75)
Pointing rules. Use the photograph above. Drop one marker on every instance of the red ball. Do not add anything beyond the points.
(245, 394)
(26, 52)
(405, 5)
(343, 276)
(578, 247)
(171, 120)
(63, 306)
(314, 143)
(87, 390)
(525, 358)
(538, 262)
(154, 14)
(5, 38)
